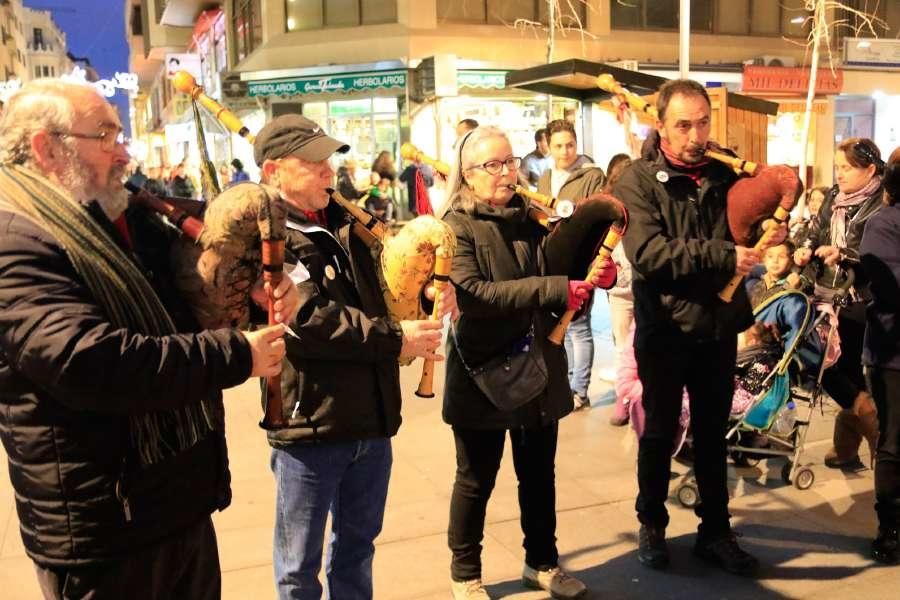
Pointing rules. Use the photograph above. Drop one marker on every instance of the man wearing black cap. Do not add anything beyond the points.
(341, 379)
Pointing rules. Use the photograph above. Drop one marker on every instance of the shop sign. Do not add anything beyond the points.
(486, 80)
(819, 108)
(790, 80)
(358, 82)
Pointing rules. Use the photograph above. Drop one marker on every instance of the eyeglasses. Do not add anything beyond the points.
(865, 153)
(495, 167)
(108, 138)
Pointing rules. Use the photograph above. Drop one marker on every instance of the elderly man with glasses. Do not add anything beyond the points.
(111, 409)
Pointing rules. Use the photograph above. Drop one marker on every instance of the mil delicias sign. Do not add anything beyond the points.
(358, 82)
(789, 80)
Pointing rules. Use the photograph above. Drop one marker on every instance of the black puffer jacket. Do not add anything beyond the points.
(681, 252)
(341, 379)
(498, 271)
(69, 380)
(820, 235)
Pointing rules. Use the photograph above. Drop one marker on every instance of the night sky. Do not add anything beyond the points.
(94, 29)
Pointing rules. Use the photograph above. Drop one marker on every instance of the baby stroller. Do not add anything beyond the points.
(773, 424)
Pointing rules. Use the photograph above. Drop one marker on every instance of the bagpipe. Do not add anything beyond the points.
(242, 233)
(769, 193)
(581, 234)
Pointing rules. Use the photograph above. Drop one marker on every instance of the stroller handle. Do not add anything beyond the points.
(842, 294)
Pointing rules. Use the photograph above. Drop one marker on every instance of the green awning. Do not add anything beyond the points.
(329, 84)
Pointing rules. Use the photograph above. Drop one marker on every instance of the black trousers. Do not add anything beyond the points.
(478, 454)
(845, 379)
(183, 566)
(707, 371)
(886, 391)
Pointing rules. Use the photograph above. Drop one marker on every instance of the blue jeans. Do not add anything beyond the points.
(580, 351)
(348, 479)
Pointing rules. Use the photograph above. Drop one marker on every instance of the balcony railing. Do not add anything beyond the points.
(40, 47)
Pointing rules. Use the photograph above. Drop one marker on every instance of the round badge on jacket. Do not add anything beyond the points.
(662, 176)
(329, 272)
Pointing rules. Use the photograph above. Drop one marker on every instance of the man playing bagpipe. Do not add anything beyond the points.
(341, 381)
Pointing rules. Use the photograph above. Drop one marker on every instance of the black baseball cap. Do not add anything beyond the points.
(294, 135)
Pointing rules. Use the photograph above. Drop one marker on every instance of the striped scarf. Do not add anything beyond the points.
(119, 288)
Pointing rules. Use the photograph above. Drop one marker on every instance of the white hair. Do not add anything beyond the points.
(41, 104)
(465, 152)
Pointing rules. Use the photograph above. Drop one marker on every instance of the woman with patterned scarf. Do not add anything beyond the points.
(835, 241)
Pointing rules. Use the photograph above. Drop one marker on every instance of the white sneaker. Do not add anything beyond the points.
(560, 584)
(468, 590)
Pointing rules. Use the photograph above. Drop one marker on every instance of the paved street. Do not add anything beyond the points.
(812, 543)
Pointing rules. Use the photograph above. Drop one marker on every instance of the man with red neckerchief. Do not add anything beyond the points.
(682, 253)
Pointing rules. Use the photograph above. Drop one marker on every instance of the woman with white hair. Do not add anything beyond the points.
(502, 374)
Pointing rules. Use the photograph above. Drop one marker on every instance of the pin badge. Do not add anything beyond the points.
(329, 272)
(662, 176)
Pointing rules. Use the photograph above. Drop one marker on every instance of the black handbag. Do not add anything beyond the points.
(511, 380)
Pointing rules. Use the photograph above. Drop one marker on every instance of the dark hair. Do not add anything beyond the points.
(237, 164)
(685, 87)
(862, 152)
(791, 247)
(892, 178)
(560, 125)
(615, 168)
(470, 123)
(540, 134)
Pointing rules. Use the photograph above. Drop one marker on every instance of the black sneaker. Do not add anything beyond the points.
(724, 552)
(653, 551)
(886, 547)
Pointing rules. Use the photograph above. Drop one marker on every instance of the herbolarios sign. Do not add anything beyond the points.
(358, 82)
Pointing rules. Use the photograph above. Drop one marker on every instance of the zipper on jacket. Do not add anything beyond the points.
(126, 505)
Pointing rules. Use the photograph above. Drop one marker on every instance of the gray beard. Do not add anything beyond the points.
(76, 177)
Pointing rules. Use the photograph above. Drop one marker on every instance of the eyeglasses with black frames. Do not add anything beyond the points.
(495, 167)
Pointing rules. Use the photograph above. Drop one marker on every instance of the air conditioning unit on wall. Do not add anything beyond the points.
(771, 60)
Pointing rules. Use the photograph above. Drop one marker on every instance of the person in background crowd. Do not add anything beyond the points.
(341, 387)
(506, 301)
(111, 410)
(384, 166)
(538, 160)
(801, 227)
(835, 241)
(681, 254)
(465, 126)
(239, 173)
(180, 184)
(621, 299)
(418, 177)
(573, 177)
(880, 256)
(346, 181)
(379, 201)
(137, 177)
(224, 175)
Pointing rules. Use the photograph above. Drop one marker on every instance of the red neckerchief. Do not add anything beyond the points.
(122, 227)
(692, 170)
(314, 216)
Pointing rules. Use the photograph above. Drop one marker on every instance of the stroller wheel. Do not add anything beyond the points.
(804, 478)
(688, 495)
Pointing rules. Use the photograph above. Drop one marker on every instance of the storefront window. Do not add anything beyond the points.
(368, 125)
(247, 27)
(506, 12)
(316, 14)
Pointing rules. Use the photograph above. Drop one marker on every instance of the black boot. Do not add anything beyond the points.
(723, 551)
(653, 551)
(885, 547)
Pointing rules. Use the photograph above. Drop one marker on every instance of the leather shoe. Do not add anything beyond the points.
(886, 547)
(723, 551)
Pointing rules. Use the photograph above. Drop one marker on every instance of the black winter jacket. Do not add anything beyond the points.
(500, 280)
(341, 379)
(69, 380)
(820, 235)
(682, 253)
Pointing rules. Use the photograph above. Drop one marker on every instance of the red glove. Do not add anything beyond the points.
(579, 291)
(605, 276)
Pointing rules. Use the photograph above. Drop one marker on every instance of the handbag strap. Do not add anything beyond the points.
(465, 365)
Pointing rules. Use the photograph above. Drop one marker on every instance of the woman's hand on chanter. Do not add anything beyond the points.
(829, 254)
(579, 291)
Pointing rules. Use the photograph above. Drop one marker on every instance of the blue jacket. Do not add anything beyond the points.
(880, 258)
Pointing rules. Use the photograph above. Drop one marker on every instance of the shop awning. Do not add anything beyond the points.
(576, 79)
(330, 84)
(482, 79)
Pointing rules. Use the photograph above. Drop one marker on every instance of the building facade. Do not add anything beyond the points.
(46, 49)
(12, 41)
